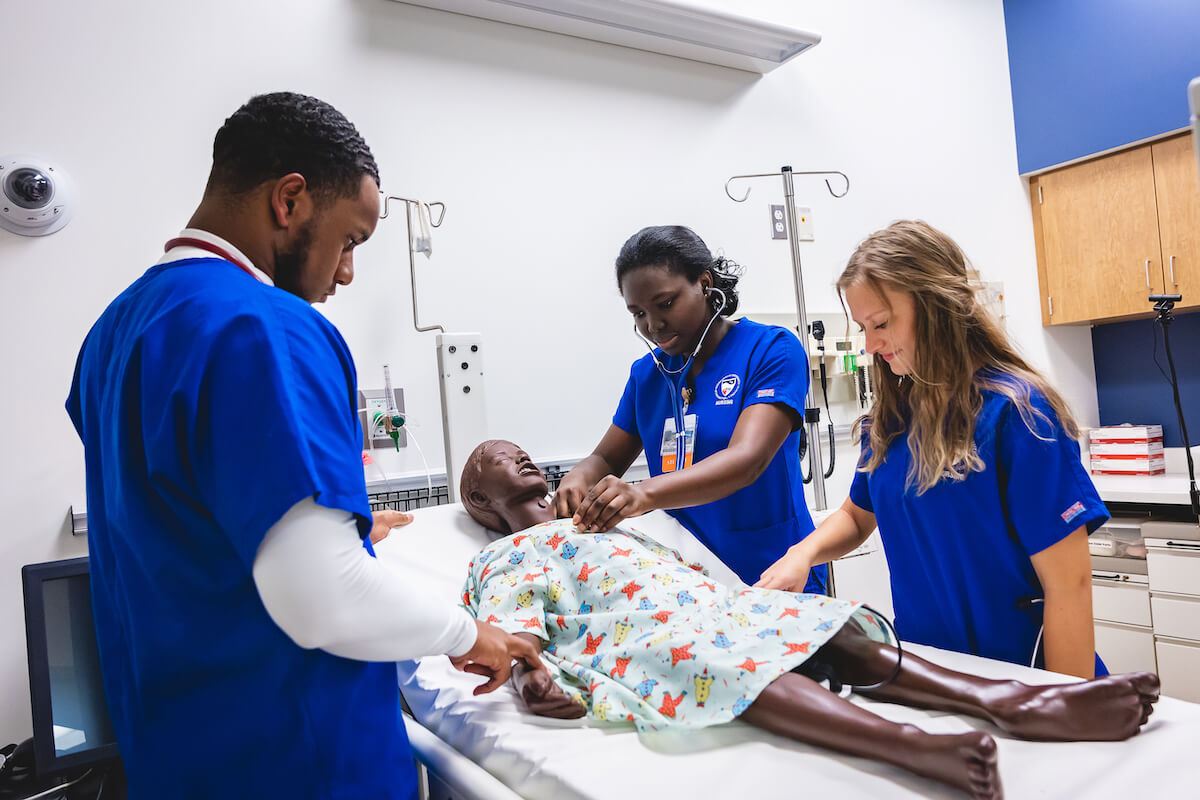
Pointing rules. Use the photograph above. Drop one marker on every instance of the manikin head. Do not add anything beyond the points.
(502, 489)
(667, 277)
(295, 187)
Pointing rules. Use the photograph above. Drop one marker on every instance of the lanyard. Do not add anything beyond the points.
(200, 244)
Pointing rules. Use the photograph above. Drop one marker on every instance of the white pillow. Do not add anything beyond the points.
(441, 540)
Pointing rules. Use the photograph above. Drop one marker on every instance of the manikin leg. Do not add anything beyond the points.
(1105, 709)
(797, 707)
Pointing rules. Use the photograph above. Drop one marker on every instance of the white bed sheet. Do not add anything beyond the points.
(543, 758)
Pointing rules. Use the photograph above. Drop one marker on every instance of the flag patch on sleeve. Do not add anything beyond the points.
(1072, 512)
(766, 392)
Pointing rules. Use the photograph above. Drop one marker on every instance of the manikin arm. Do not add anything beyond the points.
(541, 694)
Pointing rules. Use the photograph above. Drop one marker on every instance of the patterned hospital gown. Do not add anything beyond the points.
(639, 635)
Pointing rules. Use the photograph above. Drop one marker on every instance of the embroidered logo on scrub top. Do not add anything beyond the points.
(726, 388)
(1072, 512)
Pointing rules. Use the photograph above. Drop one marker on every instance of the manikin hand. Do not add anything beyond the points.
(543, 696)
(384, 521)
(493, 654)
(789, 573)
(608, 502)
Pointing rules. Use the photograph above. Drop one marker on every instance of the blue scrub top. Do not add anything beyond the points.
(209, 404)
(959, 564)
(752, 528)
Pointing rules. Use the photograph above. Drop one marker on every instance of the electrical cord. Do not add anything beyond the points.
(1164, 304)
(428, 472)
(818, 333)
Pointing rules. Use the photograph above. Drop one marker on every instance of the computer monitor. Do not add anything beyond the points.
(71, 726)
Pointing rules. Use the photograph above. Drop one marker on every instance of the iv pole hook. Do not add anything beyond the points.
(828, 185)
(412, 265)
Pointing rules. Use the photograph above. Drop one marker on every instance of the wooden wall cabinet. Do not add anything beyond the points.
(1113, 230)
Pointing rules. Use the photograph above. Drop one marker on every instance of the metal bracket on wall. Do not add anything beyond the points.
(78, 521)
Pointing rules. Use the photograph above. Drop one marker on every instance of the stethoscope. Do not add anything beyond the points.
(679, 403)
(200, 244)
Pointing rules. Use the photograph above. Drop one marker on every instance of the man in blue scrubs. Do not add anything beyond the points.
(240, 614)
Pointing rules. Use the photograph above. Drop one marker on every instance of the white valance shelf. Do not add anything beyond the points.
(672, 27)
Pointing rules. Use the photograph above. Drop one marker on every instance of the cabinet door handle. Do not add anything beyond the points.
(1050, 303)
(1188, 545)
(1173, 281)
(1148, 286)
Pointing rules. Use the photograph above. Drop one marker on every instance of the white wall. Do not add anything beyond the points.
(548, 150)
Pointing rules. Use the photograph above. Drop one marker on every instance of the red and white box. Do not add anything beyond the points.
(1127, 450)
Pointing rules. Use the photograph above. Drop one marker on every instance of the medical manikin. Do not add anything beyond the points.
(636, 634)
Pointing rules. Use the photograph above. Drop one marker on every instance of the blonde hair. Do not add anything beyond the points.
(960, 351)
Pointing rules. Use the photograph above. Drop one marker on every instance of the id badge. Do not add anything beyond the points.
(668, 450)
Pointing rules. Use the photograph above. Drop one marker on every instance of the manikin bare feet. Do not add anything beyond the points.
(1103, 710)
(966, 761)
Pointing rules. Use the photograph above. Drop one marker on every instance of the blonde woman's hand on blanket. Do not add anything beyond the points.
(610, 501)
(789, 573)
(384, 521)
(493, 654)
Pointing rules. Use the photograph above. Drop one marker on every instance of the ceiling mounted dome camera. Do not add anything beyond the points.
(36, 197)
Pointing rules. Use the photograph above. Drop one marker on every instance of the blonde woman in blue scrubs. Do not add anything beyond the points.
(970, 468)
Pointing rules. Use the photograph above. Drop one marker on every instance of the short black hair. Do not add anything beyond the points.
(283, 132)
(681, 251)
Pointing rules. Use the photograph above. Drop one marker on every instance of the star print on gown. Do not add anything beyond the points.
(683, 652)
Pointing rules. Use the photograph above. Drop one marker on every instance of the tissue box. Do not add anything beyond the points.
(1127, 450)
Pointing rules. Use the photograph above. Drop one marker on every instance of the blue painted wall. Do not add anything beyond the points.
(1130, 386)
(1090, 75)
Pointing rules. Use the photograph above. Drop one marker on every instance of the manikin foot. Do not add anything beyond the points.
(1102, 710)
(966, 761)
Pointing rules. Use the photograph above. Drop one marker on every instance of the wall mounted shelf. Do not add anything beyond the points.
(671, 27)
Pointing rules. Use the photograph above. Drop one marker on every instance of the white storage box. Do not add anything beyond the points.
(1128, 465)
(1127, 450)
(1126, 434)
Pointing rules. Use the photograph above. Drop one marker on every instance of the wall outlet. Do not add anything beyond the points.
(375, 403)
(804, 225)
(778, 223)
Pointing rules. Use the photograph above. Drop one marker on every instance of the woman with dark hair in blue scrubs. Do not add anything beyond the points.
(734, 388)
(970, 468)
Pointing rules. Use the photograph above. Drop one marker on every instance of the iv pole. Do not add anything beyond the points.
(412, 266)
(460, 369)
(812, 412)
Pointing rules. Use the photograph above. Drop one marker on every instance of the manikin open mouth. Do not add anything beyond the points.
(529, 469)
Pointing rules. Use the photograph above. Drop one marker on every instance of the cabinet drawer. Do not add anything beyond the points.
(1173, 566)
(1178, 668)
(1125, 648)
(1117, 599)
(1178, 617)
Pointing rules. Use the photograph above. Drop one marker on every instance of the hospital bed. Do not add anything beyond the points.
(491, 748)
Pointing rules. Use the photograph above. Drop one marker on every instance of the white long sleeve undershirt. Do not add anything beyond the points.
(323, 589)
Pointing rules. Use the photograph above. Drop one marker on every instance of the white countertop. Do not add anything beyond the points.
(1166, 489)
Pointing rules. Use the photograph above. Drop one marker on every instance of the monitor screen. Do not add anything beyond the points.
(71, 726)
